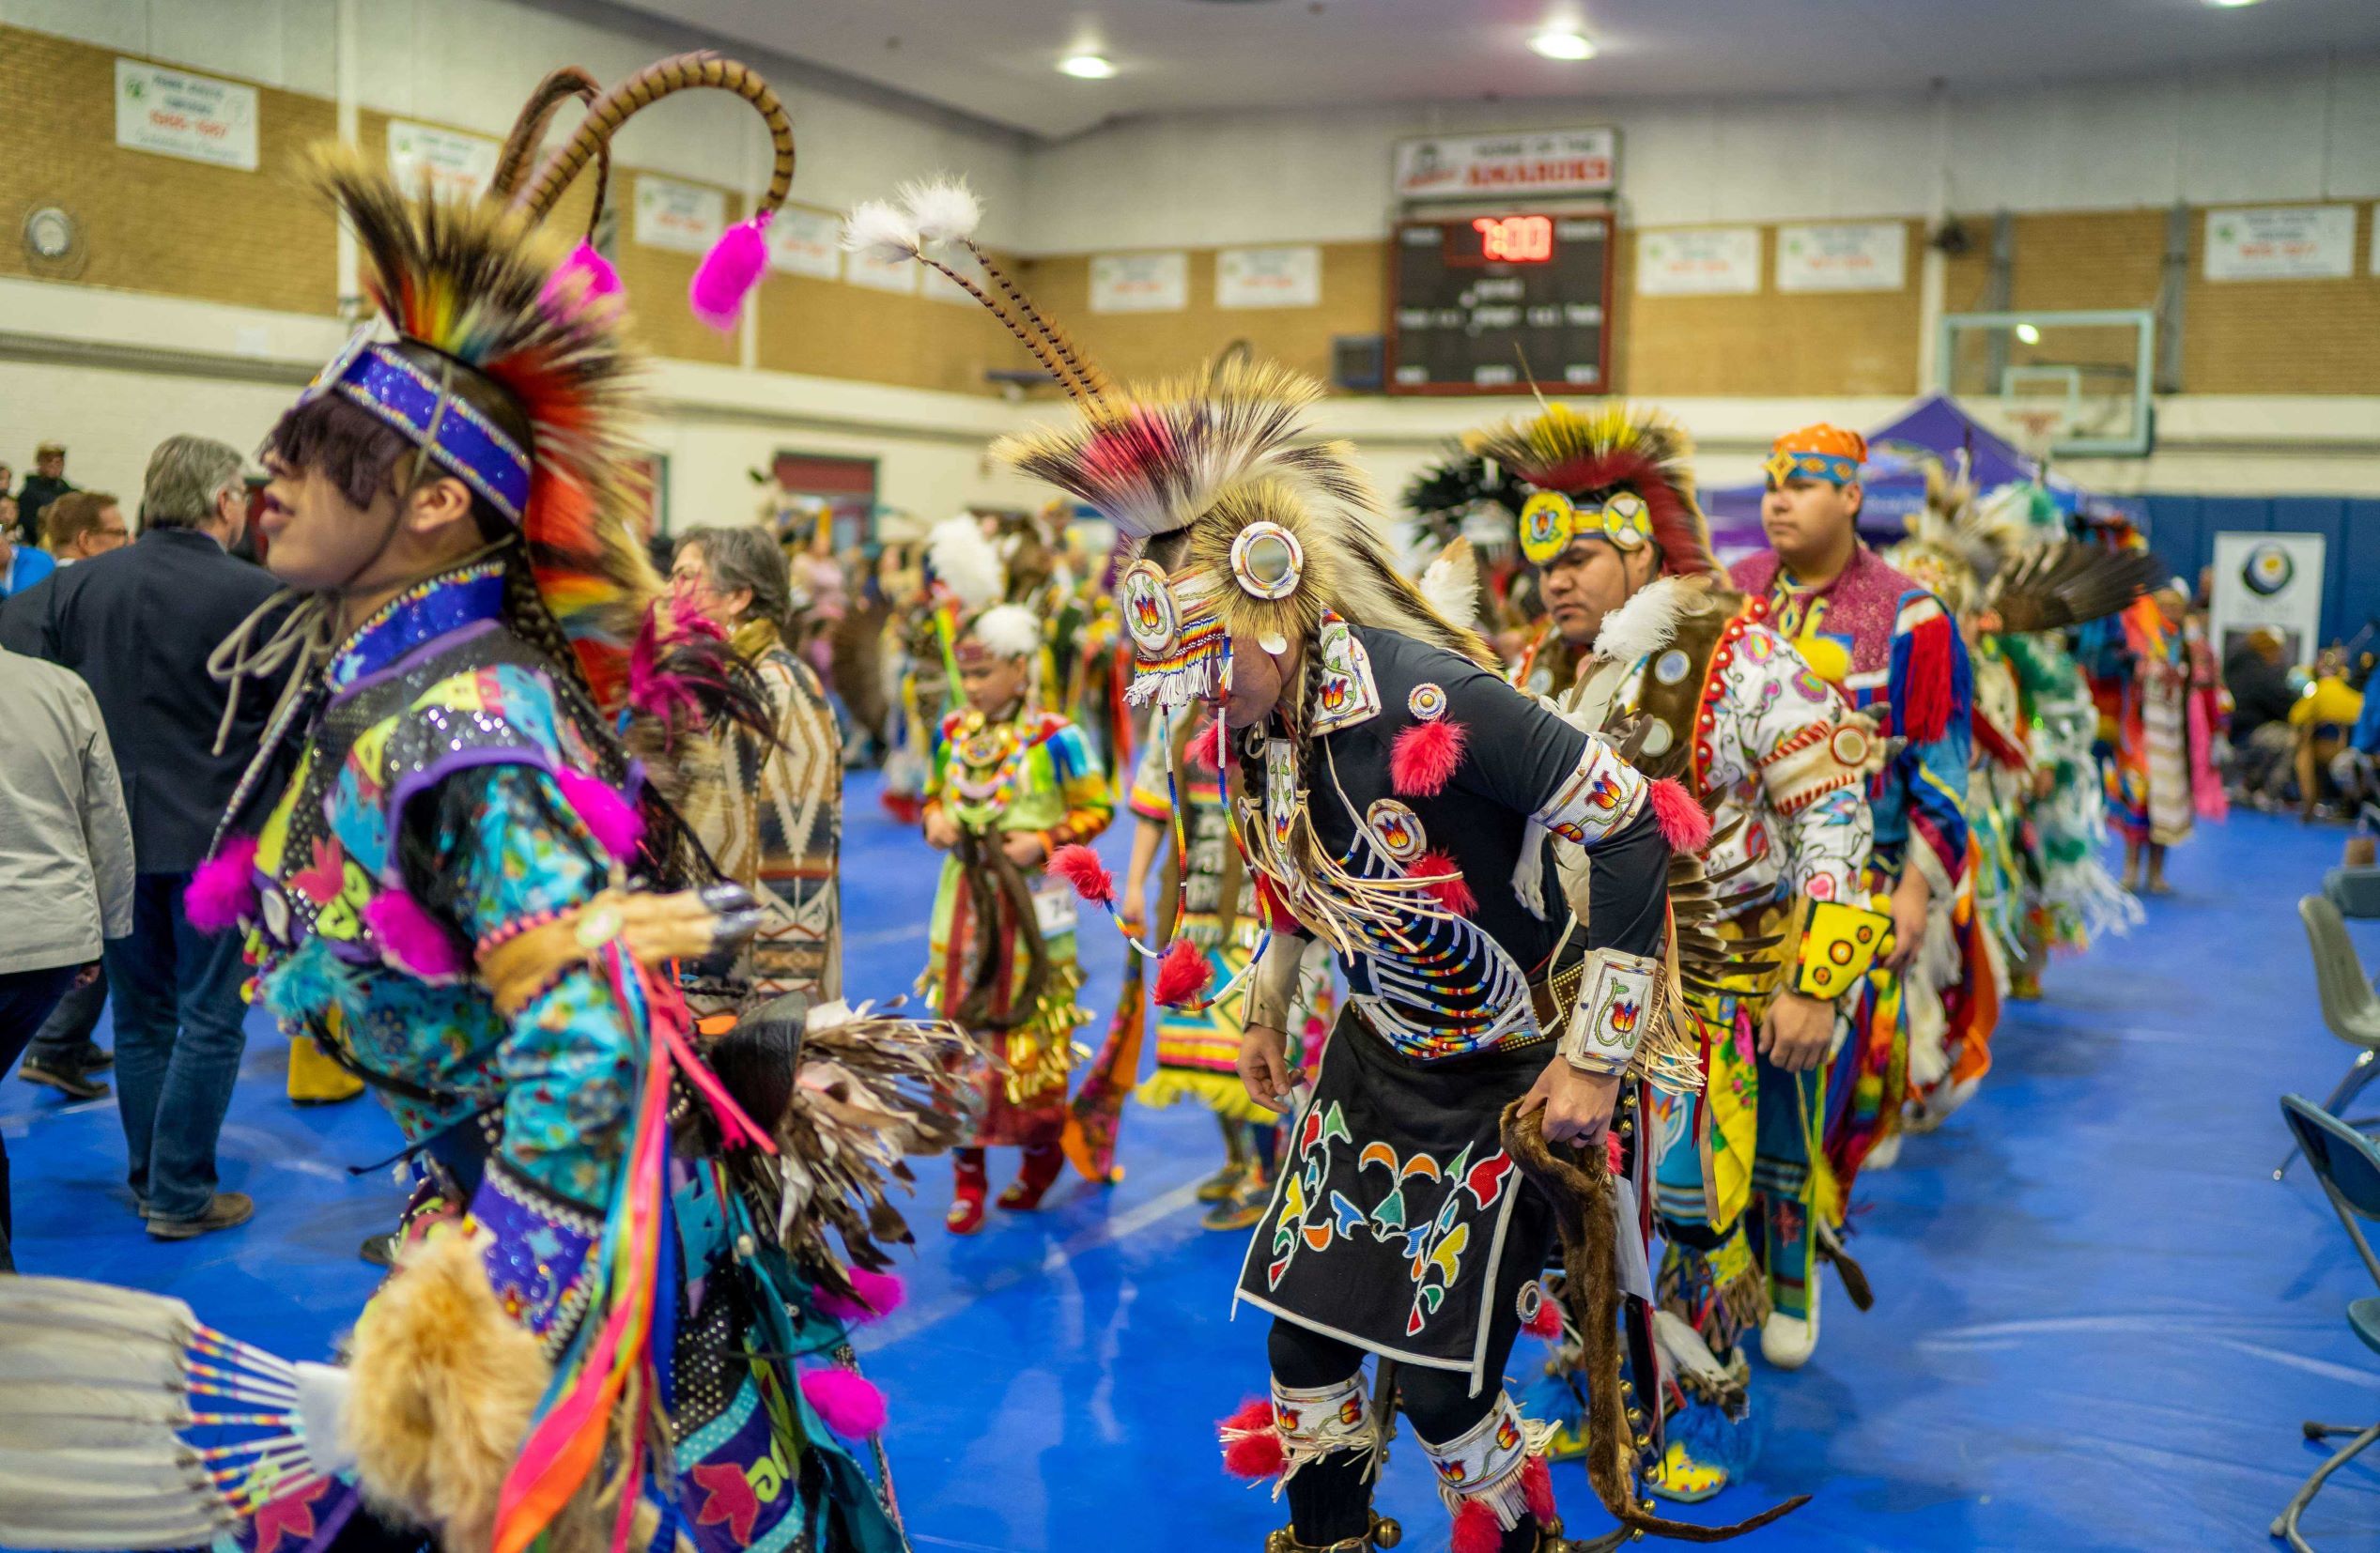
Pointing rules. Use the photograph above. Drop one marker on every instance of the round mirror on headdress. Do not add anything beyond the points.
(1268, 561)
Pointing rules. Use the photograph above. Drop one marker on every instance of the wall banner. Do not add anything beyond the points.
(1842, 257)
(686, 217)
(456, 165)
(175, 114)
(805, 242)
(1715, 261)
(1269, 277)
(1139, 282)
(1532, 162)
(2282, 242)
(2273, 581)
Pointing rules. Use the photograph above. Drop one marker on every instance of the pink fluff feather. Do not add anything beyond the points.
(411, 939)
(609, 818)
(879, 1294)
(1080, 867)
(1612, 1152)
(1536, 1487)
(1205, 746)
(1254, 1448)
(850, 1404)
(1182, 975)
(1684, 824)
(1452, 890)
(1545, 1321)
(1477, 1528)
(729, 271)
(224, 889)
(1423, 759)
(584, 276)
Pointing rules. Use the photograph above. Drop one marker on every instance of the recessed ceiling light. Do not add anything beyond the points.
(2230, 5)
(1555, 43)
(1087, 66)
(2029, 334)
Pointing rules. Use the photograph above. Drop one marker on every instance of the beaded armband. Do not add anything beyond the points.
(1614, 1008)
(1839, 943)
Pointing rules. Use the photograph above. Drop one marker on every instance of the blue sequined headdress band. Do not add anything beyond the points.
(375, 374)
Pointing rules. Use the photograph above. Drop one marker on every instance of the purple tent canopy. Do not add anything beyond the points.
(1933, 427)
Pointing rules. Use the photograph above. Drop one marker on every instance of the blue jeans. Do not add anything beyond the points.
(178, 1039)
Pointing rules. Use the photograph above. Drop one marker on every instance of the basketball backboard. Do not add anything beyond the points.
(2069, 384)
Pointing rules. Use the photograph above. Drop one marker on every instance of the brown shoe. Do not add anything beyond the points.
(228, 1210)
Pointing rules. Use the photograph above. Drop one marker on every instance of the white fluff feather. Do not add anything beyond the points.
(964, 558)
(1451, 583)
(1010, 630)
(941, 209)
(879, 230)
(1645, 623)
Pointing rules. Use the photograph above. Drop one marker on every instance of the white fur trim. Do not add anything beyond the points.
(1645, 623)
(963, 557)
(880, 231)
(1010, 630)
(942, 209)
(1451, 584)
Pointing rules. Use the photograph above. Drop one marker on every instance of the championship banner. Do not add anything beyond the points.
(1532, 162)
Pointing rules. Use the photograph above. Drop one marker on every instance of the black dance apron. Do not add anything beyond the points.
(1398, 1223)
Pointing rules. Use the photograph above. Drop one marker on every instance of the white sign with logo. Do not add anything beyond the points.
(686, 217)
(1269, 277)
(2273, 581)
(940, 287)
(1139, 282)
(175, 114)
(878, 275)
(2282, 242)
(456, 165)
(1842, 257)
(1713, 261)
(805, 242)
(1536, 162)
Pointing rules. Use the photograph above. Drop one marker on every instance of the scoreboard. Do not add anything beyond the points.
(1471, 297)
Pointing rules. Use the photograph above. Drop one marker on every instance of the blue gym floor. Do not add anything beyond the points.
(2098, 1324)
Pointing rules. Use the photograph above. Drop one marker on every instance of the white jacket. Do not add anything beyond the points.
(66, 847)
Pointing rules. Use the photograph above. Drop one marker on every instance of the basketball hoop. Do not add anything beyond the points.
(2037, 430)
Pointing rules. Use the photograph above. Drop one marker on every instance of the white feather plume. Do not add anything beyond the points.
(1451, 583)
(879, 230)
(942, 209)
(963, 556)
(1009, 630)
(1645, 623)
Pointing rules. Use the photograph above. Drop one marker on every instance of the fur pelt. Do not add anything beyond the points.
(446, 1385)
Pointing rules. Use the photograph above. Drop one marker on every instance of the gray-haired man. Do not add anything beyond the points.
(138, 624)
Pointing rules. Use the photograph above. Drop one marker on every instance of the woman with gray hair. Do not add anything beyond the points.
(774, 820)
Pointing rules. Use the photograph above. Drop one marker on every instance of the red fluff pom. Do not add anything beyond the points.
(1684, 824)
(729, 271)
(609, 818)
(411, 939)
(879, 1294)
(1252, 1446)
(1080, 867)
(1452, 891)
(1612, 1152)
(1928, 682)
(1545, 1321)
(1536, 1486)
(223, 890)
(848, 1403)
(1423, 759)
(1182, 975)
(1205, 746)
(1477, 1528)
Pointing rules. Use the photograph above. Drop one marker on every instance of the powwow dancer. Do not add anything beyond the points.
(1010, 785)
(1889, 647)
(616, 1315)
(1680, 668)
(1378, 770)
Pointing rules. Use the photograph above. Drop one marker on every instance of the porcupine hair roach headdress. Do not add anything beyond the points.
(497, 330)
(1615, 471)
(1949, 549)
(1243, 526)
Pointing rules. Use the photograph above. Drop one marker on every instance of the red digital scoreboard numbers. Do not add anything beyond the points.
(1471, 297)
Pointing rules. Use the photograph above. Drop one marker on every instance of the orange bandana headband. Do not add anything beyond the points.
(1818, 452)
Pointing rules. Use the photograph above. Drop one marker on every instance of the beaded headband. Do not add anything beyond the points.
(400, 393)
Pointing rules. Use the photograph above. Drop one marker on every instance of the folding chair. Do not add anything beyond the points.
(2348, 1165)
(2349, 1005)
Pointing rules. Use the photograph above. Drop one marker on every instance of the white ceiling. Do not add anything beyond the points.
(994, 58)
